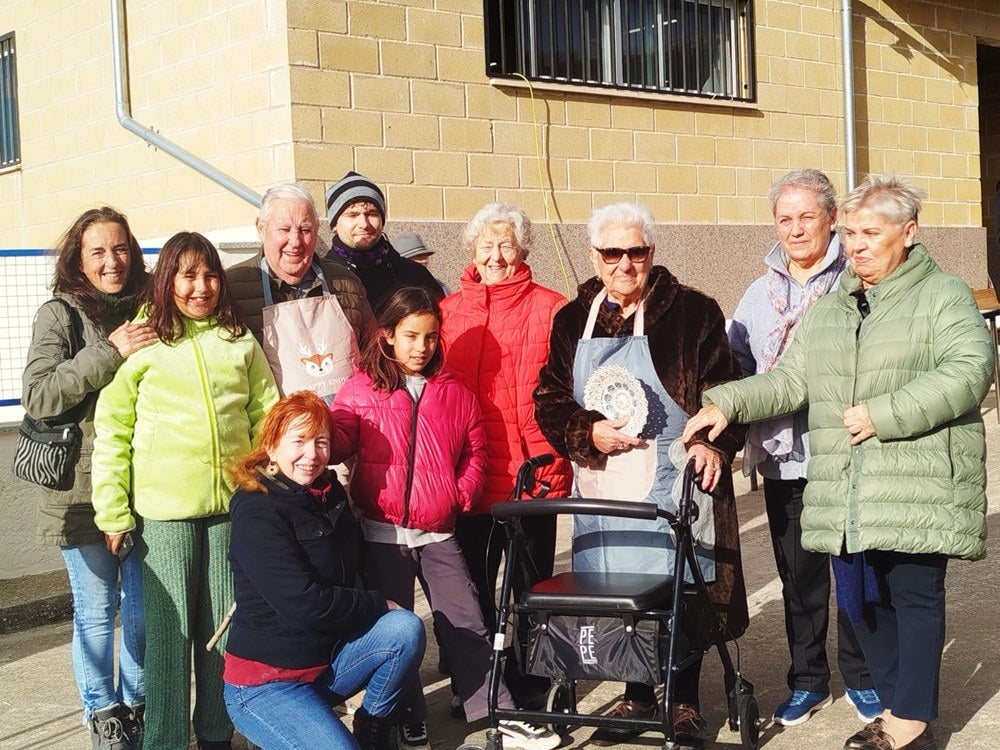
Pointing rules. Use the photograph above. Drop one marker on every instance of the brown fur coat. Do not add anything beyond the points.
(687, 339)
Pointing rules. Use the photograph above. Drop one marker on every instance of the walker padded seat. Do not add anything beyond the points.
(600, 592)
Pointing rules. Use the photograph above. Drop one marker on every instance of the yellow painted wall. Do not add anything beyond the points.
(212, 77)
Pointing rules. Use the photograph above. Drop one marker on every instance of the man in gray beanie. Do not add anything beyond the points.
(355, 207)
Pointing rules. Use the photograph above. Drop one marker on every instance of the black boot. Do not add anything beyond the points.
(374, 732)
(134, 722)
(107, 731)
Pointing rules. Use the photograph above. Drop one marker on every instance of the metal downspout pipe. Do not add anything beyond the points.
(850, 145)
(123, 108)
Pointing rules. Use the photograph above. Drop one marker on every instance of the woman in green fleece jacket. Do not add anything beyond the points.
(175, 414)
(893, 365)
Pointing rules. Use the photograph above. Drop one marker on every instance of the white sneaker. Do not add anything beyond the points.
(528, 736)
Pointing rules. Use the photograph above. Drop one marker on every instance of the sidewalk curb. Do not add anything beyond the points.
(29, 601)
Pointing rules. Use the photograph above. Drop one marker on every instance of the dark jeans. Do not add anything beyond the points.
(483, 544)
(805, 589)
(903, 636)
(392, 569)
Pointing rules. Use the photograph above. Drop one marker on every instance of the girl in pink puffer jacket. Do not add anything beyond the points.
(421, 454)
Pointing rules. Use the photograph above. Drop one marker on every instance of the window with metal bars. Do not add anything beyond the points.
(10, 141)
(692, 47)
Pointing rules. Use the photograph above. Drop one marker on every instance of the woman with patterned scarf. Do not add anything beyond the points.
(804, 264)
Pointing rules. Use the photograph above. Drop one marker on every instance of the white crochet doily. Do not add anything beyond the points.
(615, 392)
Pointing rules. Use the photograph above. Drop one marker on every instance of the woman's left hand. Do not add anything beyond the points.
(858, 423)
(708, 463)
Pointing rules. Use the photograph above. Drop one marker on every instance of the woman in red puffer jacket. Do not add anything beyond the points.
(496, 333)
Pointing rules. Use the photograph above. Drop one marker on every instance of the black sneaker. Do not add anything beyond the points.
(413, 735)
(107, 732)
(374, 732)
(134, 722)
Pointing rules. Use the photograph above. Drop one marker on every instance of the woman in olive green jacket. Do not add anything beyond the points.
(78, 342)
(893, 366)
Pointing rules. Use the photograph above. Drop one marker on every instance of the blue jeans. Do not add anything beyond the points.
(299, 715)
(101, 585)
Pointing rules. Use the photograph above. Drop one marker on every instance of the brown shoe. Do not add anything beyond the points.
(857, 740)
(882, 741)
(689, 727)
(607, 736)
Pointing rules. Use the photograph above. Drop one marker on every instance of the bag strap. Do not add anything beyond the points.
(76, 342)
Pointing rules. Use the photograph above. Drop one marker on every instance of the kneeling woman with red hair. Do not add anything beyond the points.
(294, 554)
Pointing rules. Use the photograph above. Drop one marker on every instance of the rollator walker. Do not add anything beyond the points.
(625, 627)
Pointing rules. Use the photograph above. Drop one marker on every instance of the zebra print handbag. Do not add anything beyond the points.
(46, 452)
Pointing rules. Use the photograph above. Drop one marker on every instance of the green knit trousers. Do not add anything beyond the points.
(187, 590)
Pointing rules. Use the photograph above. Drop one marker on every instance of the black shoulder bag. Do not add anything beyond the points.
(47, 450)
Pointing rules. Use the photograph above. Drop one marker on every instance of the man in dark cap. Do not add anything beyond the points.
(355, 207)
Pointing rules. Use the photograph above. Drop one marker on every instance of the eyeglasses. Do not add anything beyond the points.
(612, 255)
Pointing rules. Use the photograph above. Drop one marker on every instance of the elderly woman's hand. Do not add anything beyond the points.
(708, 463)
(709, 416)
(859, 424)
(607, 438)
(130, 337)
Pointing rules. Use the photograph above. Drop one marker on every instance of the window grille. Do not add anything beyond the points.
(692, 47)
(10, 142)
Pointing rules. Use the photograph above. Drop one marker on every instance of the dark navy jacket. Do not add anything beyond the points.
(295, 571)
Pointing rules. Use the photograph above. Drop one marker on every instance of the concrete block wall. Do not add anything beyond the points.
(407, 103)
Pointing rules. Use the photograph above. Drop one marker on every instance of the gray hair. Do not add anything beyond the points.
(806, 179)
(499, 213)
(622, 215)
(288, 192)
(894, 198)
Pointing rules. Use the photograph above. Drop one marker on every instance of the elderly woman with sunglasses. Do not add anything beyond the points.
(628, 361)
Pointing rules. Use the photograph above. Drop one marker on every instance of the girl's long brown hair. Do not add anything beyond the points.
(179, 252)
(69, 279)
(377, 360)
(303, 407)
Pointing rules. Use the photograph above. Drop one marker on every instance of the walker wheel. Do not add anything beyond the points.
(749, 721)
(557, 702)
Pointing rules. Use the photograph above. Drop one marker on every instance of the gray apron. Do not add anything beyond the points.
(652, 474)
(309, 343)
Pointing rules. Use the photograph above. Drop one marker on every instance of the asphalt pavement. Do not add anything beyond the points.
(39, 703)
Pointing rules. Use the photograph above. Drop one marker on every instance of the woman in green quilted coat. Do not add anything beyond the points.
(893, 365)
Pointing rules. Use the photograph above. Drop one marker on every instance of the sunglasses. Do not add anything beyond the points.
(611, 255)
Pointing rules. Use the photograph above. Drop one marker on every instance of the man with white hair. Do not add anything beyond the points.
(310, 314)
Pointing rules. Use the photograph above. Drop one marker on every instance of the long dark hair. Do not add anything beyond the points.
(179, 252)
(69, 279)
(377, 360)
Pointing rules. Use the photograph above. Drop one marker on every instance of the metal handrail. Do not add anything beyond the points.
(123, 108)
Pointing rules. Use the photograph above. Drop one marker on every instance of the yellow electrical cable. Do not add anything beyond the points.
(541, 187)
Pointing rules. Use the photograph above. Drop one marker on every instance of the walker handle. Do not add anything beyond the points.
(579, 506)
